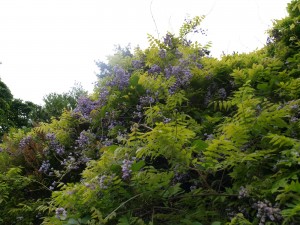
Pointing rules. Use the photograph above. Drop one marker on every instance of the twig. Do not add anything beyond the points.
(154, 19)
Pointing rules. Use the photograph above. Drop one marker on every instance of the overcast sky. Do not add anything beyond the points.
(48, 45)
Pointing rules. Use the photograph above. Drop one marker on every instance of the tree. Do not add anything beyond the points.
(56, 103)
(5, 101)
(25, 114)
(17, 113)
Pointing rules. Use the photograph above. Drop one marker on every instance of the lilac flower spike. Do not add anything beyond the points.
(126, 169)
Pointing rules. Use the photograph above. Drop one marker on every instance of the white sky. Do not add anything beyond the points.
(47, 45)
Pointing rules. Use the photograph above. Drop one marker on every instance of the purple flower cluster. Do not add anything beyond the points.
(295, 107)
(182, 75)
(137, 114)
(154, 69)
(167, 120)
(54, 144)
(85, 106)
(61, 213)
(199, 65)
(45, 166)
(168, 40)
(85, 139)
(120, 78)
(126, 169)
(146, 100)
(53, 185)
(209, 136)
(294, 119)
(162, 53)
(222, 93)
(107, 142)
(265, 211)
(105, 181)
(25, 142)
(103, 95)
(137, 64)
(243, 192)
(70, 163)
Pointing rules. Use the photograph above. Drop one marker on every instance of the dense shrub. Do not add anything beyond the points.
(169, 136)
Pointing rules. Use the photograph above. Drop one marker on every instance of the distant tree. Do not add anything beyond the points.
(25, 114)
(5, 101)
(17, 113)
(56, 103)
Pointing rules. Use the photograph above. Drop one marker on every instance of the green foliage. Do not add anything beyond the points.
(15, 113)
(169, 136)
(5, 100)
(55, 104)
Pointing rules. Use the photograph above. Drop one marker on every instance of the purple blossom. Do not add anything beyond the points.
(120, 78)
(105, 181)
(162, 53)
(182, 75)
(154, 69)
(51, 137)
(111, 125)
(126, 169)
(168, 40)
(146, 100)
(107, 142)
(53, 185)
(139, 107)
(167, 120)
(137, 64)
(243, 192)
(265, 211)
(45, 166)
(60, 150)
(54, 144)
(294, 119)
(85, 106)
(70, 163)
(209, 136)
(102, 182)
(168, 72)
(85, 139)
(295, 107)
(199, 65)
(25, 142)
(103, 95)
(61, 213)
(138, 114)
(184, 63)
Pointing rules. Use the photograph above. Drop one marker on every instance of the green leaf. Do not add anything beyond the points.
(216, 223)
(73, 221)
(138, 165)
(199, 145)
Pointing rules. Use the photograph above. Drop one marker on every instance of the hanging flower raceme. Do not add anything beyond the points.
(85, 106)
(54, 144)
(120, 78)
(24, 142)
